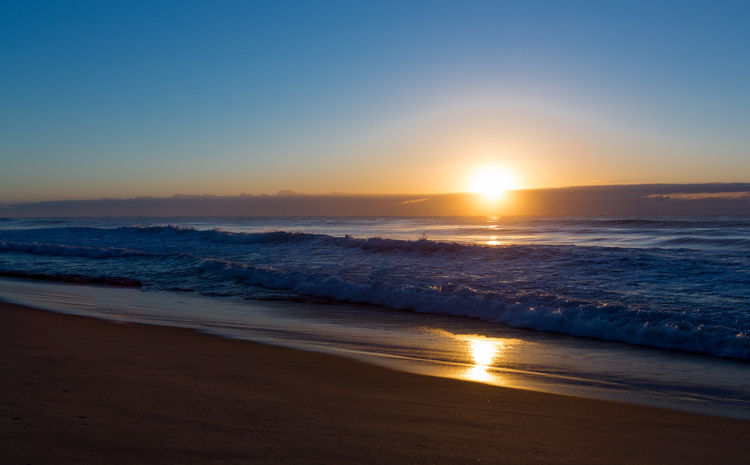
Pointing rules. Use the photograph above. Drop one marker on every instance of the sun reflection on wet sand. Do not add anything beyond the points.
(483, 351)
(480, 355)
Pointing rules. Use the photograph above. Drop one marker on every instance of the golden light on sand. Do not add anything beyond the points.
(492, 182)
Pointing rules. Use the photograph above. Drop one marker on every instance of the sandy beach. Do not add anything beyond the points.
(81, 390)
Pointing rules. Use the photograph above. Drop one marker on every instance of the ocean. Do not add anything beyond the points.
(647, 310)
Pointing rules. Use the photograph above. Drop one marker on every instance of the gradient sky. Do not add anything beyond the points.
(121, 99)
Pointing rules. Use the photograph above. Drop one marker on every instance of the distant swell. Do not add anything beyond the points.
(374, 244)
(724, 243)
(219, 237)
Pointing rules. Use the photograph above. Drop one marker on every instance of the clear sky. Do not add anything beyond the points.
(136, 98)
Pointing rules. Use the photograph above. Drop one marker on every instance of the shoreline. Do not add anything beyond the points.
(88, 390)
(425, 344)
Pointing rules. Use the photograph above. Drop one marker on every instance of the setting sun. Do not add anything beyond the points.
(491, 182)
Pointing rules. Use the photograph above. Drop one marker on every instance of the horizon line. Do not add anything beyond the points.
(738, 187)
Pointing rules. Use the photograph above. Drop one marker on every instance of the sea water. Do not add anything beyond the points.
(573, 305)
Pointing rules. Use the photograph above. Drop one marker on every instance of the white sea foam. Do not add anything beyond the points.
(538, 311)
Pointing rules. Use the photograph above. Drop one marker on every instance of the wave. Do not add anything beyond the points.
(218, 236)
(74, 278)
(69, 251)
(373, 244)
(587, 233)
(721, 243)
(528, 310)
(662, 222)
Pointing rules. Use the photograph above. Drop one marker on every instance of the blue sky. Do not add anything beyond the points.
(121, 99)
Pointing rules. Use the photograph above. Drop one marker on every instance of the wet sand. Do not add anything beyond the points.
(81, 390)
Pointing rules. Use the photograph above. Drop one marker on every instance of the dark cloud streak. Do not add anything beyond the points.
(615, 200)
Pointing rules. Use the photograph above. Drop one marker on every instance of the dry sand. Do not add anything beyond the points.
(81, 390)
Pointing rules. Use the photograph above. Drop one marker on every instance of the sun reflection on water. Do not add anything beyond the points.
(495, 240)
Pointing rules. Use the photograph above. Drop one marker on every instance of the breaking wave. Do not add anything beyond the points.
(528, 310)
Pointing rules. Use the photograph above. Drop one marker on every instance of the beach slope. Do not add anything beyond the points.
(81, 390)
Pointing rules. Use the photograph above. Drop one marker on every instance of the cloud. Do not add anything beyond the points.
(614, 200)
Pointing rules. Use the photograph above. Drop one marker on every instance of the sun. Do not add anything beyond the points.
(492, 182)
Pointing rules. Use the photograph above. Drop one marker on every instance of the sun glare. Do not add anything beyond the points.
(492, 183)
(483, 351)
